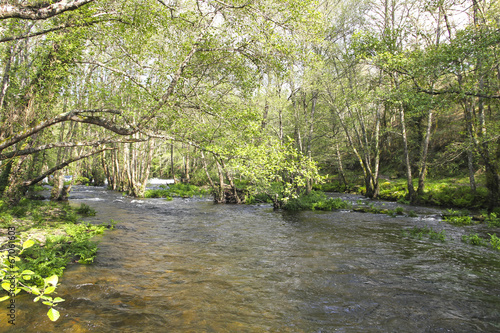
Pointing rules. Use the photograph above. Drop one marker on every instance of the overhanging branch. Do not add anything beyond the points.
(96, 144)
(61, 166)
(40, 12)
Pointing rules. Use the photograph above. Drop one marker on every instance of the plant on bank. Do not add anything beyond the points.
(316, 201)
(180, 190)
(35, 268)
(14, 279)
(457, 218)
(419, 233)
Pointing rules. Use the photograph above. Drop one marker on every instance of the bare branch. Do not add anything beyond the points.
(40, 12)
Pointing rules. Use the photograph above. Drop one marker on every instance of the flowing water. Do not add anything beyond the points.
(188, 265)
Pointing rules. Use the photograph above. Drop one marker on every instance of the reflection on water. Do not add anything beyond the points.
(191, 266)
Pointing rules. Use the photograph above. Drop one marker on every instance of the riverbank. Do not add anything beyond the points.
(453, 192)
(38, 240)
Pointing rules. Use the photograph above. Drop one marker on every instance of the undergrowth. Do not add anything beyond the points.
(475, 239)
(428, 232)
(316, 201)
(39, 240)
(179, 190)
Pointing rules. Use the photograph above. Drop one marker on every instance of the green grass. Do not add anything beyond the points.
(59, 236)
(448, 192)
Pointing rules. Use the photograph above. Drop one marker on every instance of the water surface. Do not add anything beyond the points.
(188, 265)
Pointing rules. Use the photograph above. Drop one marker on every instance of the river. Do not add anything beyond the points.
(188, 265)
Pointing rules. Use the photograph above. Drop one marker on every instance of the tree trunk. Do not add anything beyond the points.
(409, 179)
(423, 158)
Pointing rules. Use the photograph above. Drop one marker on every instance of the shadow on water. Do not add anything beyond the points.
(191, 266)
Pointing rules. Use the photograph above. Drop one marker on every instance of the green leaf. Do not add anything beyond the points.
(52, 280)
(49, 290)
(4, 298)
(35, 290)
(27, 271)
(47, 303)
(36, 299)
(28, 243)
(53, 314)
(58, 300)
(6, 286)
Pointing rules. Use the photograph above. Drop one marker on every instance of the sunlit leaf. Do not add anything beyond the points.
(52, 280)
(53, 314)
(49, 290)
(6, 286)
(29, 243)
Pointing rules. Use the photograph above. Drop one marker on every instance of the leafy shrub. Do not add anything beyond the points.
(181, 190)
(80, 180)
(316, 201)
(458, 218)
(419, 233)
(257, 198)
(473, 239)
(493, 220)
(86, 210)
(494, 241)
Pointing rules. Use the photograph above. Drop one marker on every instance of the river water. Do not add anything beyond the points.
(188, 265)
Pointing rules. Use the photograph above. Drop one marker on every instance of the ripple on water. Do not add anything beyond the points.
(191, 266)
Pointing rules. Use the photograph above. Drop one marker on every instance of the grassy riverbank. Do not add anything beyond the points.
(38, 241)
(452, 192)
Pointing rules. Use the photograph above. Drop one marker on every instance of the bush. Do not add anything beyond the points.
(180, 190)
(86, 210)
(458, 218)
(316, 201)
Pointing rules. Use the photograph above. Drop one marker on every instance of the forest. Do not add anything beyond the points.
(280, 97)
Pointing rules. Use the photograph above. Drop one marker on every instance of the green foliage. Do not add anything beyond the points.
(438, 193)
(257, 198)
(4, 175)
(86, 210)
(38, 264)
(419, 233)
(493, 220)
(80, 180)
(458, 218)
(14, 278)
(179, 190)
(473, 239)
(330, 187)
(276, 169)
(494, 241)
(316, 201)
